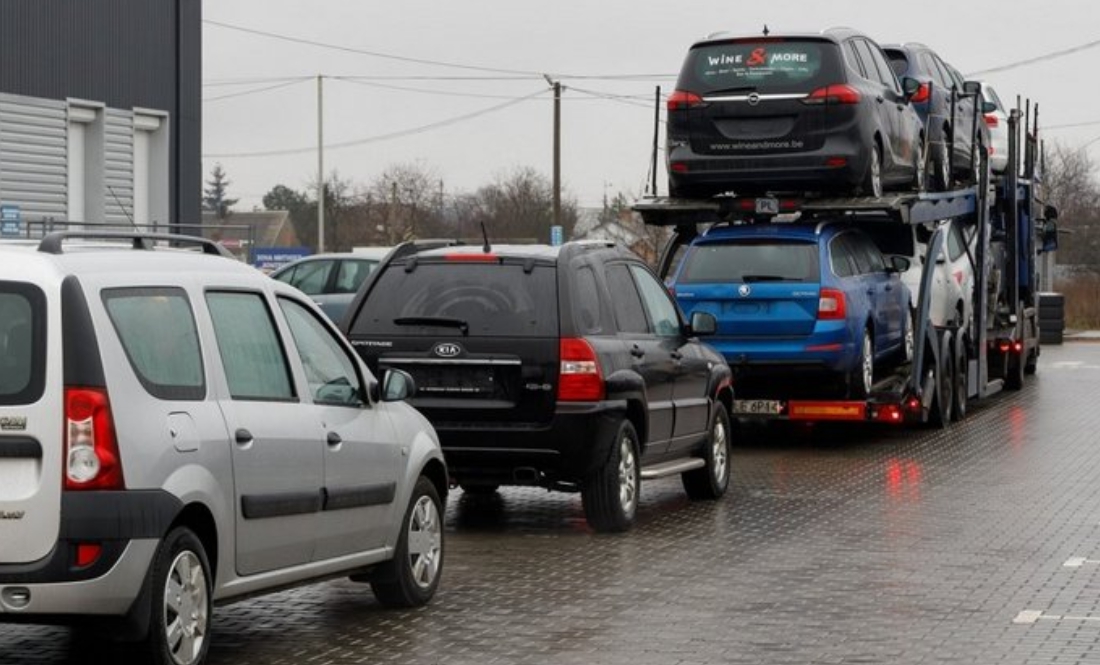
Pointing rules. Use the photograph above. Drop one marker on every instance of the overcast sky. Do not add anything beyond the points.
(492, 111)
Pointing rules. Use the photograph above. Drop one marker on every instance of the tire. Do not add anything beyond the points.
(1014, 373)
(862, 376)
(411, 577)
(908, 342)
(872, 179)
(919, 180)
(180, 608)
(610, 495)
(941, 165)
(711, 481)
(1032, 364)
(961, 398)
(939, 415)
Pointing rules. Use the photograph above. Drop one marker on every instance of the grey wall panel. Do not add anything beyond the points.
(118, 171)
(33, 156)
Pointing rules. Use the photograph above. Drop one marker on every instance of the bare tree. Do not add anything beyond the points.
(1071, 185)
(517, 206)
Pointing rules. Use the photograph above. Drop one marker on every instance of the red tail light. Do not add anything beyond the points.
(92, 461)
(831, 306)
(923, 93)
(833, 94)
(991, 120)
(682, 100)
(471, 258)
(580, 379)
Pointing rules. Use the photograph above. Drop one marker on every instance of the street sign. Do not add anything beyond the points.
(555, 235)
(11, 221)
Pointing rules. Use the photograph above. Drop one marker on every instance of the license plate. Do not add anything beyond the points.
(767, 206)
(765, 407)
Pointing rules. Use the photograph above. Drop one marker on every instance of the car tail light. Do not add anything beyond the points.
(682, 100)
(991, 120)
(471, 258)
(923, 93)
(580, 378)
(831, 305)
(833, 94)
(91, 447)
(87, 554)
(678, 167)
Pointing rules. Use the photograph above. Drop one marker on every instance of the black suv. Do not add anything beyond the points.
(564, 367)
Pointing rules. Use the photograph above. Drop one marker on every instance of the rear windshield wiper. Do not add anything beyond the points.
(727, 91)
(441, 321)
(769, 278)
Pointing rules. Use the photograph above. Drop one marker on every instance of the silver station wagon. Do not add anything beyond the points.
(178, 430)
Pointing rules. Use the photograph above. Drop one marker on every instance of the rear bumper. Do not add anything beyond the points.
(574, 443)
(127, 525)
(829, 348)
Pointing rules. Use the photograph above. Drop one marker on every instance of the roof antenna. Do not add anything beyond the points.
(122, 207)
(485, 234)
(766, 31)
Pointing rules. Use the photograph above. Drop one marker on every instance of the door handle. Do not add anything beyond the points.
(333, 439)
(242, 436)
(637, 351)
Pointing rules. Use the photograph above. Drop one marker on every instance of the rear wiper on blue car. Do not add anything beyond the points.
(441, 321)
(769, 278)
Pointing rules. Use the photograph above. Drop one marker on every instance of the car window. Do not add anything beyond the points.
(351, 273)
(310, 277)
(899, 61)
(629, 311)
(853, 59)
(662, 312)
(588, 304)
(868, 257)
(955, 243)
(751, 259)
(870, 72)
(22, 343)
(990, 95)
(939, 74)
(157, 330)
(840, 257)
(330, 373)
(956, 77)
(248, 343)
(885, 71)
(891, 238)
(491, 299)
(760, 66)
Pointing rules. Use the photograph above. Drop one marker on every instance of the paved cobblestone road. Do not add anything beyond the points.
(978, 544)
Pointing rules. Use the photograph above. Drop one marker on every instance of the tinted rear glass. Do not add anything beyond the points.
(491, 299)
(761, 66)
(22, 347)
(752, 261)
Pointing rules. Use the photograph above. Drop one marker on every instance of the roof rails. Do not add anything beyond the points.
(52, 243)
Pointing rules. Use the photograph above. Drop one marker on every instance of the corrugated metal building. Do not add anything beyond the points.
(100, 111)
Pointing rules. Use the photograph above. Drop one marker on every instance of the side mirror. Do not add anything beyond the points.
(899, 264)
(909, 85)
(988, 107)
(397, 385)
(1050, 213)
(972, 88)
(1049, 236)
(703, 323)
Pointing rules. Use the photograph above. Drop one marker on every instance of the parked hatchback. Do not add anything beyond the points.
(946, 106)
(799, 307)
(331, 279)
(798, 112)
(995, 115)
(178, 430)
(566, 367)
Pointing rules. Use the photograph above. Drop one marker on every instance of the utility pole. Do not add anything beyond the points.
(557, 149)
(320, 164)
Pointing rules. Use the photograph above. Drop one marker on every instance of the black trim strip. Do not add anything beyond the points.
(360, 496)
(19, 447)
(259, 506)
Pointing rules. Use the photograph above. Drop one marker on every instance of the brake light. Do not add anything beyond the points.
(831, 305)
(678, 167)
(471, 258)
(92, 461)
(682, 100)
(991, 120)
(580, 378)
(922, 94)
(833, 94)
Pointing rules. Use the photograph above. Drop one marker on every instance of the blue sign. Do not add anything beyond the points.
(11, 221)
(268, 259)
(555, 235)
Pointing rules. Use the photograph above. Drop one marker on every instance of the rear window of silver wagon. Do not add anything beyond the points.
(22, 343)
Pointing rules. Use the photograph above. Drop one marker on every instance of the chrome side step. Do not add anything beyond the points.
(671, 468)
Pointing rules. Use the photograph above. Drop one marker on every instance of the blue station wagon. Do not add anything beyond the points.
(798, 305)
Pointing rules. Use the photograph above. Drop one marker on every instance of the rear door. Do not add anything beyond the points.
(752, 95)
(30, 427)
(757, 288)
(479, 336)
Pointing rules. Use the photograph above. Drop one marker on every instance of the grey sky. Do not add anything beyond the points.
(607, 123)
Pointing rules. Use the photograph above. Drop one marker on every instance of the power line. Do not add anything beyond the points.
(1072, 125)
(1035, 59)
(254, 91)
(373, 139)
(447, 93)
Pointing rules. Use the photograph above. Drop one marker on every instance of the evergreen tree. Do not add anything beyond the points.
(214, 194)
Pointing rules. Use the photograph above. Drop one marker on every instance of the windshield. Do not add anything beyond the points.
(476, 299)
(768, 260)
(22, 351)
(760, 66)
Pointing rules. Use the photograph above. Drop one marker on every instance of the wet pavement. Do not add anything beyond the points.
(976, 544)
